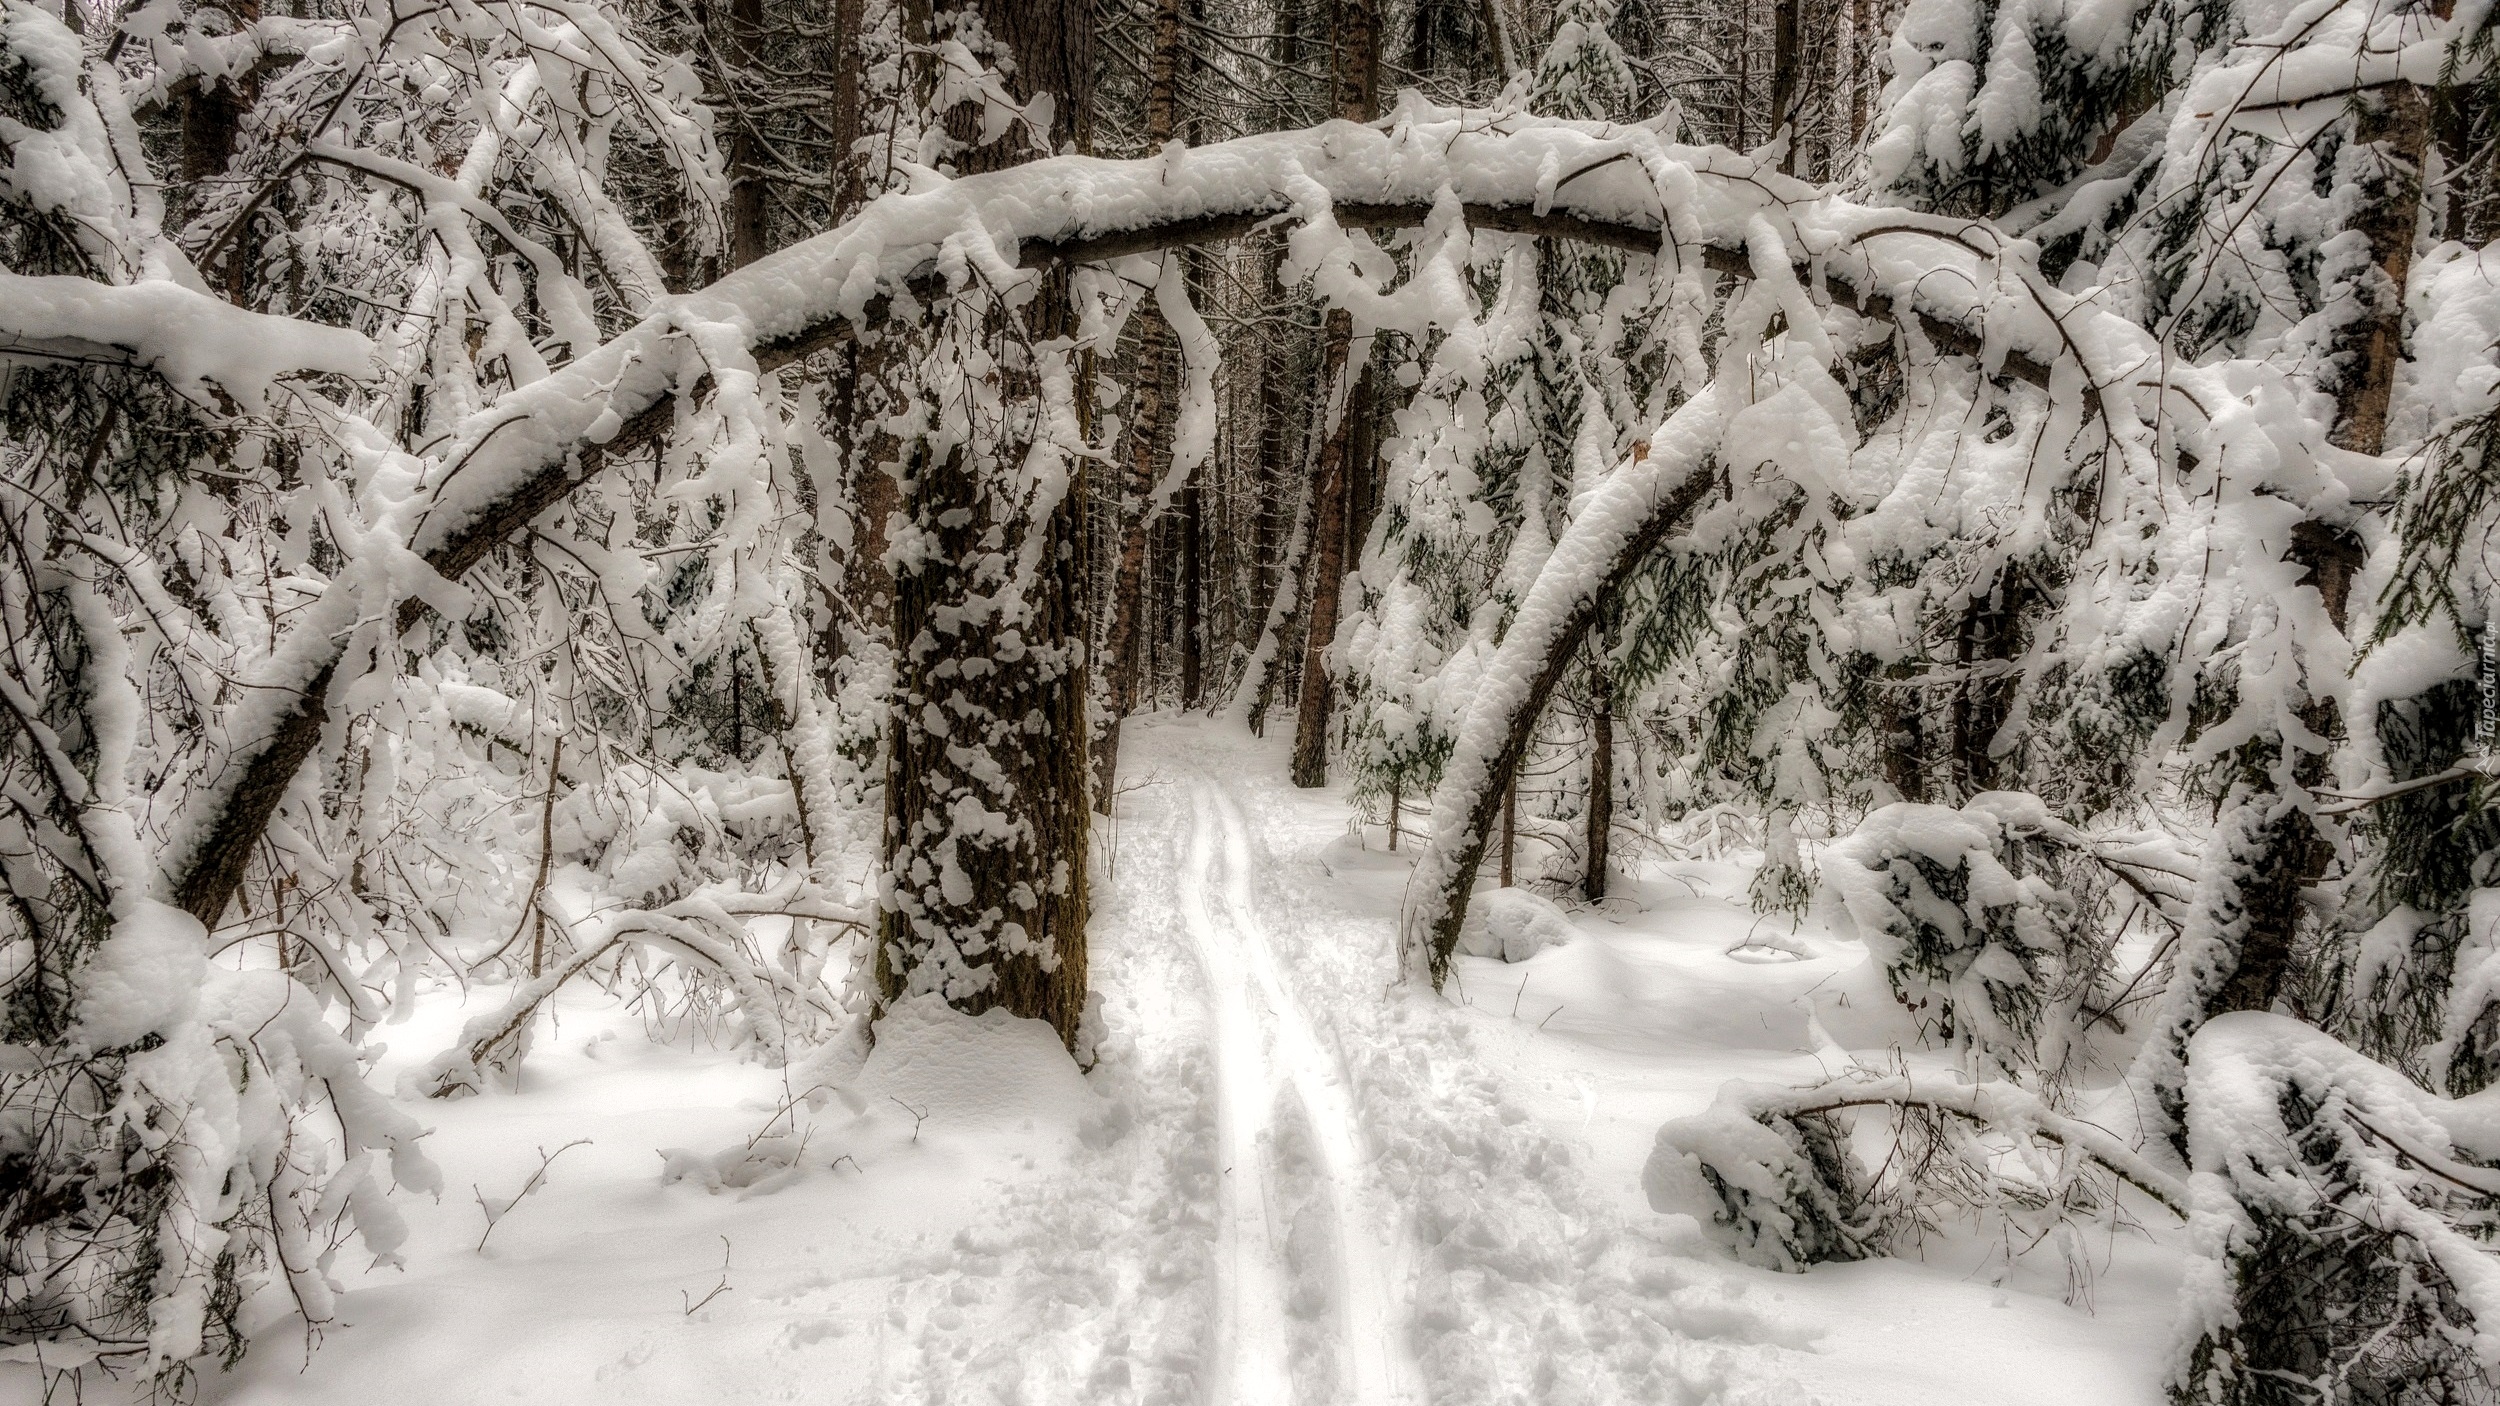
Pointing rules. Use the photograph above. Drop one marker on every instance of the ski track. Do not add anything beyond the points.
(1270, 1056)
(1323, 1195)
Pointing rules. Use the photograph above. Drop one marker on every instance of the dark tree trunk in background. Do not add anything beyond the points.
(1193, 604)
(1905, 734)
(2393, 130)
(1121, 642)
(1601, 775)
(1329, 473)
(1784, 79)
(742, 35)
(1288, 566)
(865, 610)
(1983, 692)
(1860, 68)
(212, 123)
(2296, 851)
(1052, 42)
(1357, 100)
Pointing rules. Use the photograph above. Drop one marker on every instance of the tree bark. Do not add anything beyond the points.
(1983, 690)
(1861, 69)
(1120, 646)
(2392, 132)
(986, 822)
(1784, 80)
(1601, 815)
(1193, 604)
(747, 236)
(1328, 532)
(2294, 852)
(1510, 825)
(1154, 356)
(1905, 734)
(1357, 100)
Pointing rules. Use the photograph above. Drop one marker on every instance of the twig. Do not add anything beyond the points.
(717, 1290)
(918, 1117)
(2352, 803)
(495, 1213)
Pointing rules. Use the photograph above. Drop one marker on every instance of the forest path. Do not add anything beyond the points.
(1290, 1178)
(1390, 1224)
(1298, 1242)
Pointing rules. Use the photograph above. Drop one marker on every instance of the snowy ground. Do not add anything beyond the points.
(1289, 1180)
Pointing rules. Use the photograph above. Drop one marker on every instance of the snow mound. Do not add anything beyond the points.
(1513, 924)
(762, 1165)
(959, 1072)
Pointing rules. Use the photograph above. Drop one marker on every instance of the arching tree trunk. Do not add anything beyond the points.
(467, 516)
(1661, 493)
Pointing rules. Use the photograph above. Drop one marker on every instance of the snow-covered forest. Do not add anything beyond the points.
(1400, 702)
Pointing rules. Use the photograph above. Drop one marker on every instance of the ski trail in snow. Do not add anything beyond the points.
(1368, 1298)
(1252, 1332)
(1268, 1050)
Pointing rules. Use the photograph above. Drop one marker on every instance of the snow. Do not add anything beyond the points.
(1512, 925)
(192, 338)
(1289, 1176)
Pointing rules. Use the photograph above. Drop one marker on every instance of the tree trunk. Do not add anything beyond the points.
(1601, 775)
(1905, 736)
(1510, 825)
(1744, 69)
(747, 240)
(1120, 645)
(1784, 80)
(1861, 69)
(212, 123)
(1357, 100)
(1328, 532)
(863, 616)
(1154, 356)
(1287, 593)
(1983, 690)
(2294, 851)
(2392, 131)
(986, 822)
(1193, 604)
(1358, 60)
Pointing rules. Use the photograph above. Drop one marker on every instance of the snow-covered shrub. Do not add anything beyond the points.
(1979, 939)
(173, 1155)
(2340, 1219)
(1779, 1184)
(1772, 1170)
(1513, 925)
